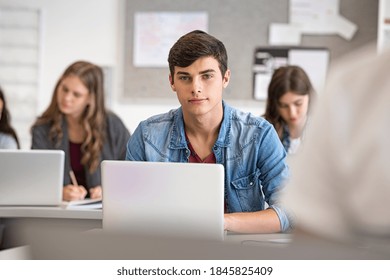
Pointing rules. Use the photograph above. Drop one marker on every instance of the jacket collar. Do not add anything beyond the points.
(177, 135)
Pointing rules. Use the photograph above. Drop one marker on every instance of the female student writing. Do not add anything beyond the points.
(78, 123)
(8, 136)
(290, 93)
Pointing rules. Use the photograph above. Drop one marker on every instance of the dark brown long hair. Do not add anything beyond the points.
(285, 79)
(5, 120)
(93, 117)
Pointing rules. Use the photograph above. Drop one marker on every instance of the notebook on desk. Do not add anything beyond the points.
(31, 177)
(164, 199)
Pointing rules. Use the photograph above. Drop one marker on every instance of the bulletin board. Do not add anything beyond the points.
(242, 26)
(314, 61)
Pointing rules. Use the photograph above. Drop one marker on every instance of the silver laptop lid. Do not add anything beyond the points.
(164, 199)
(31, 177)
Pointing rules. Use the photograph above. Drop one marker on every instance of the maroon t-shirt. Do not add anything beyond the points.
(196, 159)
(75, 163)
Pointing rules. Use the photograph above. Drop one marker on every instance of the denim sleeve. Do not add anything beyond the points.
(283, 218)
(274, 173)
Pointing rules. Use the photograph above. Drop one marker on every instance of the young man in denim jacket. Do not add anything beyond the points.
(207, 129)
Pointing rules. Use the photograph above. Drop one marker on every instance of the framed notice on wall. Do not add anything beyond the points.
(156, 32)
(315, 61)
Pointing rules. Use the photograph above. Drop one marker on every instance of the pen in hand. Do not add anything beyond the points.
(73, 178)
(76, 191)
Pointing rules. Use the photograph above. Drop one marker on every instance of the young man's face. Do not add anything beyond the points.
(199, 86)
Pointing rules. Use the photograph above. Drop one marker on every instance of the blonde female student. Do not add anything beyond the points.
(78, 123)
(290, 95)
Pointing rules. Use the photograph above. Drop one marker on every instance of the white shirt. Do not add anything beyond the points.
(294, 145)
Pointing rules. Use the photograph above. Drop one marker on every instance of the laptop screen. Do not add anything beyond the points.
(31, 177)
(164, 199)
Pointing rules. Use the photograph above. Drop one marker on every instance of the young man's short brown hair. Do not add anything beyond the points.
(194, 45)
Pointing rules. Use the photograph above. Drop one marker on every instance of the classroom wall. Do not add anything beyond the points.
(242, 26)
(70, 30)
(69, 33)
(95, 30)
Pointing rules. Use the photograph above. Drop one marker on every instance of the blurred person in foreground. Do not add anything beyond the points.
(340, 184)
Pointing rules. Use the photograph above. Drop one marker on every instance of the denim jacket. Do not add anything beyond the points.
(247, 146)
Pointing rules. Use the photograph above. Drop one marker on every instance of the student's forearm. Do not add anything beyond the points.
(265, 221)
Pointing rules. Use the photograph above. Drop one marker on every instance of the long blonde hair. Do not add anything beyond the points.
(93, 117)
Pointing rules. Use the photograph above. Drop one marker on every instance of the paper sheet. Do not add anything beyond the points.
(156, 32)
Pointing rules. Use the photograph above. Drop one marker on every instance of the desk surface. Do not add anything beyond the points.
(96, 214)
(257, 239)
(21, 222)
(75, 228)
(49, 212)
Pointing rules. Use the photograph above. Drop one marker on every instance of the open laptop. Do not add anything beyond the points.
(164, 198)
(31, 177)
